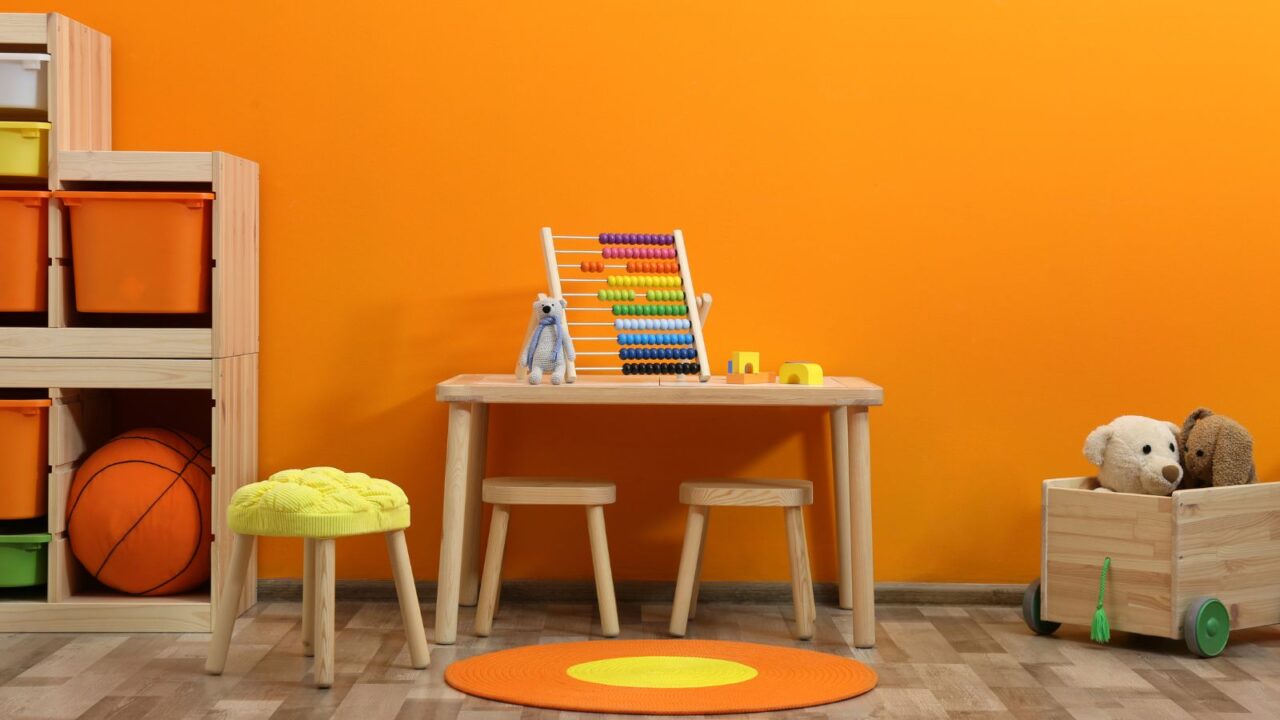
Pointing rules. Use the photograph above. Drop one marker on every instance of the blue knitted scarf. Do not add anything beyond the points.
(543, 323)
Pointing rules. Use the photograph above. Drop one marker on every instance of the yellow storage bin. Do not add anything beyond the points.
(24, 149)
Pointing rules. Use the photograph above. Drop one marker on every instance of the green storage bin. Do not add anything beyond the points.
(24, 559)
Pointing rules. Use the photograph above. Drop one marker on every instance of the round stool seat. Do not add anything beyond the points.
(319, 502)
(747, 493)
(548, 491)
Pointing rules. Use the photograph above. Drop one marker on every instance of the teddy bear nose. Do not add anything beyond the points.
(1171, 473)
(546, 308)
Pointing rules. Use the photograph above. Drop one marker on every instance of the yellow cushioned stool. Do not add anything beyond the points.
(318, 505)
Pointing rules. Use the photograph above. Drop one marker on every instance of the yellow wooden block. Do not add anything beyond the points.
(745, 362)
(800, 373)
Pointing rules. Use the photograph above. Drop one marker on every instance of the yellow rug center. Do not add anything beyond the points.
(662, 671)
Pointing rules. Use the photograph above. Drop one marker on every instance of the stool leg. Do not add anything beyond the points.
(491, 578)
(688, 568)
(603, 572)
(410, 612)
(324, 611)
(308, 597)
(801, 583)
(229, 603)
(697, 572)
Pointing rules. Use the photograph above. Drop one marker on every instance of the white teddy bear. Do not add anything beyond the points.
(547, 345)
(1136, 454)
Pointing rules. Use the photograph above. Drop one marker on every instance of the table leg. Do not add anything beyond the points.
(840, 474)
(864, 588)
(470, 591)
(453, 526)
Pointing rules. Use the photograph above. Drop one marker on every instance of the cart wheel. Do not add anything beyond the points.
(1206, 627)
(1031, 611)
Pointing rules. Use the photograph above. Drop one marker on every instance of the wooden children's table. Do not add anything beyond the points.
(469, 397)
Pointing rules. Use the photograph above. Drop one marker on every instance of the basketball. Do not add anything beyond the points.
(138, 512)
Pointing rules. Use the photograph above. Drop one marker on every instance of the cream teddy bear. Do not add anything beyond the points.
(1136, 454)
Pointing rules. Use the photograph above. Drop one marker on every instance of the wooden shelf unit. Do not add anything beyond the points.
(79, 79)
(231, 328)
(86, 363)
(79, 421)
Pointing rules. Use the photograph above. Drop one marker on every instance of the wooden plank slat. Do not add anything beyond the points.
(24, 28)
(235, 254)
(74, 342)
(646, 391)
(234, 456)
(131, 166)
(99, 373)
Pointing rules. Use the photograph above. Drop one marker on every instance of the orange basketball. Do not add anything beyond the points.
(138, 512)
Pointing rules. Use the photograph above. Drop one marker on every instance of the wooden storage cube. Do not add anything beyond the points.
(1165, 552)
(92, 401)
(228, 323)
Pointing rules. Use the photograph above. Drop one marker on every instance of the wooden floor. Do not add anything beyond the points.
(934, 662)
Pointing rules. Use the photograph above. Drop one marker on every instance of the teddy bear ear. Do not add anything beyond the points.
(1196, 416)
(1095, 446)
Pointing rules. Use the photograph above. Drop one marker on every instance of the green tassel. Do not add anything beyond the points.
(1100, 630)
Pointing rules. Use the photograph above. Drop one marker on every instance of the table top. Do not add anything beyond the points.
(631, 390)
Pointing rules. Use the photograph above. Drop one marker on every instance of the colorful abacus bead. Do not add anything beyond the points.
(650, 368)
(657, 354)
(647, 253)
(664, 295)
(609, 295)
(648, 266)
(592, 266)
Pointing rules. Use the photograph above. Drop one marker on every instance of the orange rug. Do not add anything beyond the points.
(661, 677)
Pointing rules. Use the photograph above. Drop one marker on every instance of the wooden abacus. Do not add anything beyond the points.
(654, 268)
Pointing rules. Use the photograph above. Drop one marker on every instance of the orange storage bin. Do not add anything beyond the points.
(140, 252)
(24, 458)
(24, 250)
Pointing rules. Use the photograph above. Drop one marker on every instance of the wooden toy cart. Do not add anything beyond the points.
(1193, 566)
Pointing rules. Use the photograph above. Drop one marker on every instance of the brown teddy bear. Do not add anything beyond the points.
(1216, 451)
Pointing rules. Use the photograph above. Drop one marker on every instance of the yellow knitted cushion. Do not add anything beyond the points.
(319, 502)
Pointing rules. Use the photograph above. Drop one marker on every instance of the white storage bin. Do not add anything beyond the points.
(24, 81)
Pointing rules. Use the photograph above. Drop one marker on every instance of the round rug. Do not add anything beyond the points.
(661, 677)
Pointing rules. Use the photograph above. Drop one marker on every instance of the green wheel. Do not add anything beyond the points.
(1031, 611)
(1206, 627)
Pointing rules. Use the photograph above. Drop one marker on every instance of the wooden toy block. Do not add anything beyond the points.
(753, 379)
(800, 373)
(745, 362)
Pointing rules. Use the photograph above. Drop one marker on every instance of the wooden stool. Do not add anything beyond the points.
(318, 505)
(503, 492)
(701, 496)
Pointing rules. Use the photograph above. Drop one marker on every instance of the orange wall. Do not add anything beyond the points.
(1022, 219)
